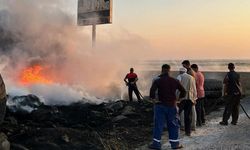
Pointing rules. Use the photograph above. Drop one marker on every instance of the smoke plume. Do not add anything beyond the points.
(45, 34)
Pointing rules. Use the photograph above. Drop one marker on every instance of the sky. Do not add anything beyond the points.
(178, 29)
(193, 28)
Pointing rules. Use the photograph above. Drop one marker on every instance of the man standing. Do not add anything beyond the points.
(200, 109)
(233, 93)
(188, 82)
(165, 108)
(3, 100)
(186, 64)
(130, 80)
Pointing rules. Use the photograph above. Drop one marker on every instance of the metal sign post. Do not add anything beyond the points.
(94, 12)
(93, 35)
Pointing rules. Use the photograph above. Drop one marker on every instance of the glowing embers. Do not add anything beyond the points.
(34, 75)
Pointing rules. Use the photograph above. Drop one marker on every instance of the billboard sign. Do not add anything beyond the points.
(91, 12)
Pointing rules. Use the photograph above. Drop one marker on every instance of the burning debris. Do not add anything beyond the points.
(49, 49)
(34, 75)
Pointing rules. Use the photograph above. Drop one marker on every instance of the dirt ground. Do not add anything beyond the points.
(213, 136)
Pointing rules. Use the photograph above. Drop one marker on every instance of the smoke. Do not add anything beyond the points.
(45, 33)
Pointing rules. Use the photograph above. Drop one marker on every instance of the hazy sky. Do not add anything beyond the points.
(192, 28)
(184, 28)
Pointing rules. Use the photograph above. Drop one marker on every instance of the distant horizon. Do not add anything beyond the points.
(211, 65)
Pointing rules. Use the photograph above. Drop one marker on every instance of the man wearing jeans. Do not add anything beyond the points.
(165, 109)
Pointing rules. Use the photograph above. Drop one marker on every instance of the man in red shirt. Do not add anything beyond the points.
(130, 80)
(200, 110)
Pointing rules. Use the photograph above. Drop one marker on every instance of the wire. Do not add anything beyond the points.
(244, 111)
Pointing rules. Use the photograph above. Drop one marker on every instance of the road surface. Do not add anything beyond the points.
(213, 136)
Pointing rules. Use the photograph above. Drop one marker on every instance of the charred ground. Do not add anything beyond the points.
(117, 125)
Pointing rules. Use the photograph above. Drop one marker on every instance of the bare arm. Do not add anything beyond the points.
(125, 80)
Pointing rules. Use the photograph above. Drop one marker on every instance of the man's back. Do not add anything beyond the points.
(188, 82)
(199, 79)
(232, 81)
(131, 77)
(166, 87)
(185, 80)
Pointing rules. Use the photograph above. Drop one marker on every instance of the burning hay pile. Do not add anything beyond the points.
(116, 125)
(43, 52)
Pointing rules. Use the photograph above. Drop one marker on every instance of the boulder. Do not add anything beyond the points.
(4, 143)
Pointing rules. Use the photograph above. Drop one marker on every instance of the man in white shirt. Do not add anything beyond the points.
(186, 103)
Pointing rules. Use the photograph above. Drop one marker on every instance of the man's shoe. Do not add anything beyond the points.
(223, 123)
(188, 134)
(233, 123)
(178, 147)
(198, 124)
(155, 145)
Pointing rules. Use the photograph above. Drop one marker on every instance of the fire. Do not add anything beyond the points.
(33, 75)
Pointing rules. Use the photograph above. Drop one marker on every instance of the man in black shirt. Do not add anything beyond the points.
(232, 90)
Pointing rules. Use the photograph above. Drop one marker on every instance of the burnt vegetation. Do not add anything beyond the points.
(116, 125)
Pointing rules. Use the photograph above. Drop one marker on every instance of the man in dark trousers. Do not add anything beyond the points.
(165, 109)
(232, 92)
(200, 102)
(130, 80)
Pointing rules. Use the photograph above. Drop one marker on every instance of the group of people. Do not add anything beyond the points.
(179, 103)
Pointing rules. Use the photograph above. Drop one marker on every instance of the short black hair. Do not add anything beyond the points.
(186, 62)
(194, 66)
(165, 66)
(131, 69)
(231, 66)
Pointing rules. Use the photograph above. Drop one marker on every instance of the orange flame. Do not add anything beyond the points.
(33, 75)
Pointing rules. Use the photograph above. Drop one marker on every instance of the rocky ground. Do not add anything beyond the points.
(108, 126)
(117, 125)
(213, 136)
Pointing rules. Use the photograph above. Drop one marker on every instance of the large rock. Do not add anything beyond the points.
(4, 143)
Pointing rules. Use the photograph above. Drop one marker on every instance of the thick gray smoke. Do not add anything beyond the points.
(45, 33)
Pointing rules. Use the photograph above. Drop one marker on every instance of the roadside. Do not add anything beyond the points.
(214, 136)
